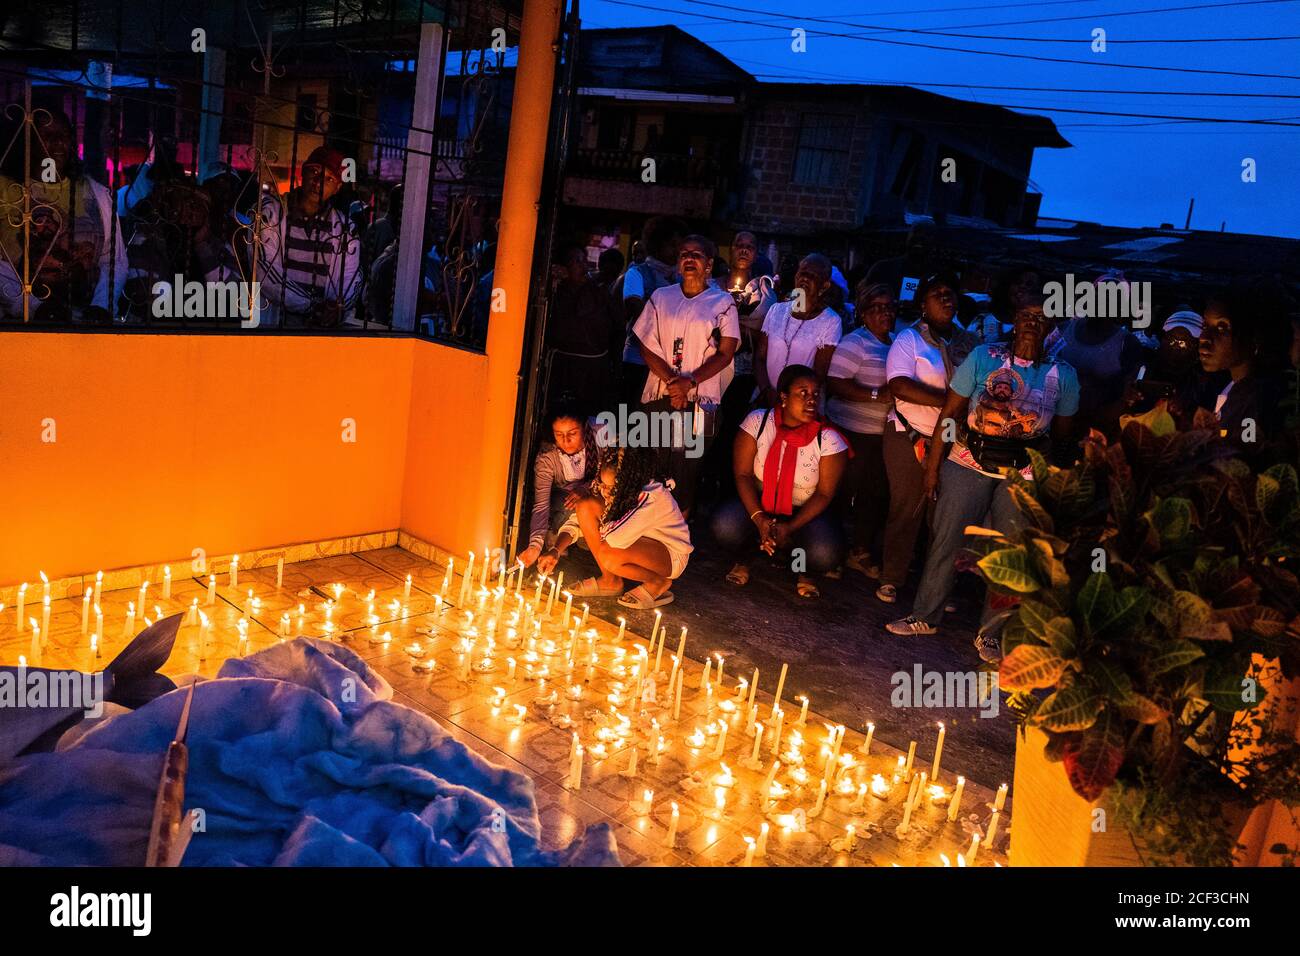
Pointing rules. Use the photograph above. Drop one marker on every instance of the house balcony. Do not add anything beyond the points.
(681, 185)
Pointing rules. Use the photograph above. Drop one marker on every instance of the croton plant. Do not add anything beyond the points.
(1157, 597)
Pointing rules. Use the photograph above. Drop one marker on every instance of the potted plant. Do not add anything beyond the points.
(1158, 605)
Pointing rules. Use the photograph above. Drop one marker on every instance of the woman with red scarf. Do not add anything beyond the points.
(788, 466)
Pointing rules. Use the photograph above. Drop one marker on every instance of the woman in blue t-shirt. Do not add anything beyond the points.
(1011, 399)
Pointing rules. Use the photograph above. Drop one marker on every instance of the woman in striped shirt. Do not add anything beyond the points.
(860, 400)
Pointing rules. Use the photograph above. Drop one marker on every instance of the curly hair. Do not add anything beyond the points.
(634, 468)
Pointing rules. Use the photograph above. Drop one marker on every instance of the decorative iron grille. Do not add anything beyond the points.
(134, 150)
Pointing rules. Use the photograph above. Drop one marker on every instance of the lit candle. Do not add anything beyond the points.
(575, 765)
(234, 571)
(193, 616)
(766, 793)
(94, 644)
(720, 663)
(850, 837)
(99, 583)
(762, 839)
(671, 840)
(974, 849)
(753, 689)
(167, 583)
(22, 599)
(45, 615)
(907, 767)
(583, 622)
(284, 625)
(487, 560)
(129, 624)
(85, 612)
(708, 669)
(45, 593)
(446, 578)
(36, 648)
(993, 829)
(803, 709)
(776, 737)
(821, 799)
(203, 636)
(279, 572)
(907, 807)
(212, 589)
(556, 586)
(622, 626)
(407, 593)
(750, 848)
(511, 664)
(865, 749)
(654, 630)
(722, 740)
(938, 752)
(642, 806)
(1001, 798)
(780, 685)
(920, 790)
(758, 740)
(677, 698)
(99, 624)
(659, 655)
(568, 607)
(466, 579)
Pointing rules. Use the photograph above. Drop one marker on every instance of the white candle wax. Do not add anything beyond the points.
(758, 740)
(167, 583)
(99, 583)
(780, 685)
(45, 616)
(938, 752)
(234, 571)
(865, 749)
(1001, 798)
(803, 709)
(750, 847)
(407, 591)
(85, 613)
(993, 829)
(722, 741)
(671, 839)
(762, 839)
(45, 584)
(22, 599)
(279, 573)
(212, 589)
(911, 754)
(776, 736)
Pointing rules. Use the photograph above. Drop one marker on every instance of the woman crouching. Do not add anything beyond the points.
(788, 466)
(633, 528)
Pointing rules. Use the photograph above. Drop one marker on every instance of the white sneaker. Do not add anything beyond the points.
(910, 626)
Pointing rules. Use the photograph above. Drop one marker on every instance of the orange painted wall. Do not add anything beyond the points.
(166, 443)
(445, 499)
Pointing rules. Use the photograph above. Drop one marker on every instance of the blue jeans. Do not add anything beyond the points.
(821, 539)
(965, 497)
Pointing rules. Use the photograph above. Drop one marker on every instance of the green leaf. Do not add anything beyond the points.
(1225, 691)
(1092, 762)
(1009, 568)
(1128, 610)
(1030, 510)
(1266, 493)
(1142, 709)
(1111, 678)
(1196, 619)
(1174, 655)
(1172, 519)
(1035, 615)
(1038, 464)
(1030, 666)
(1096, 600)
(1071, 708)
(1060, 637)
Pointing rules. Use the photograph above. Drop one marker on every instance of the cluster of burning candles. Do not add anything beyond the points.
(544, 643)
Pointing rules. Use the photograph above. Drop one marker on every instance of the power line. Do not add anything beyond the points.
(940, 31)
(947, 49)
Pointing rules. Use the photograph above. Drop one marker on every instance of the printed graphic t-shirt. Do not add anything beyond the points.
(1011, 397)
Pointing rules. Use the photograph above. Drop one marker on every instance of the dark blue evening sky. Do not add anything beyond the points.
(1122, 170)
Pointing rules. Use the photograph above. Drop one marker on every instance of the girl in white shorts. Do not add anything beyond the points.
(634, 530)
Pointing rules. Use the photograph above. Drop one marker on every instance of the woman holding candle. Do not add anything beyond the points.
(634, 530)
(562, 471)
(788, 466)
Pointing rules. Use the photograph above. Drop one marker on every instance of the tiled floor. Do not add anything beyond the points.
(540, 743)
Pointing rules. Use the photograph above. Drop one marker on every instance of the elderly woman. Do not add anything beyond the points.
(631, 524)
(860, 400)
(1011, 399)
(788, 466)
(562, 472)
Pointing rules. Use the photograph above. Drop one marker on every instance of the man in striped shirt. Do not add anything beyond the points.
(859, 402)
(310, 269)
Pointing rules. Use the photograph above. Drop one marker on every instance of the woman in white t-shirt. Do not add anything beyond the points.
(634, 530)
(788, 465)
(800, 331)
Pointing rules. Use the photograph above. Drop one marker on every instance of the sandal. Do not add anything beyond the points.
(590, 587)
(807, 589)
(639, 599)
(738, 575)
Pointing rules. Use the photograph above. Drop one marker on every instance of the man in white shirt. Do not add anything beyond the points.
(800, 331)
(688, 334)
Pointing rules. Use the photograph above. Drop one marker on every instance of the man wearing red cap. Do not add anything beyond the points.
(310, 263)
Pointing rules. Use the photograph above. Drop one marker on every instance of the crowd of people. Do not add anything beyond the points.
(323, 254)
(858, 432)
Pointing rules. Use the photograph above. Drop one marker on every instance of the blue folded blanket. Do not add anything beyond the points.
(298, 757)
